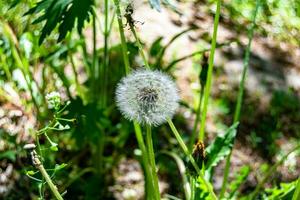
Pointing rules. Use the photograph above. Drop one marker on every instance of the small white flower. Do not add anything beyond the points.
(149, 97)
(54, 100)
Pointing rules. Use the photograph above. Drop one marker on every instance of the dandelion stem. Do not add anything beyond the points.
(192, 160)
(142, 146)
(240, 95)
(152, 161)
(210, 70)
(122, 36)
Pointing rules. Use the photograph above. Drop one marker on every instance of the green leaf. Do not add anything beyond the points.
(80, 11)
(201, 192)
(11, 155)
(284, 191)
(221, 147)
(14, 4)
(155, 4)
(240, 177)
(54, 148)
(156, 47)
(62, 13)
(30, 173)
(60, 167)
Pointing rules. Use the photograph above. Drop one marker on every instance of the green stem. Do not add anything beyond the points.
(192, 160)
(142, 146)
(94, 62)
(194, 133)
(106, 55)
(122, 36)
(151, 156)
(138, 42)
(74, 70)
(240, 95)
(44, 173)
(296, 195)
(210, 70)
(192, 183)
(270, 172)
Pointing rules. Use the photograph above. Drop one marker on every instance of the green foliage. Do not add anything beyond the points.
(11, 155)
(90, 134)
(220, 147)
(284, 191)
(63, 13)
(201, 192)
(240, 178)
(281, 16)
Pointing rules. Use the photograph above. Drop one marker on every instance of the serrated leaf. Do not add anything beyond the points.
(155, 4)
(80, 11)
(221, 147)
(62, 13)
(284, 191)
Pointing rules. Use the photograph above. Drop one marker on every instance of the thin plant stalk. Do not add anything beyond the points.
(151, 157)
(192, 160)
(240, 95)
(138, 42)
(94, 62)
(52, 187)
(194, 132)
(270, 172)
(182, 170)
(74, 71)
(106, 53)
(39, 165)
(142, 146)
(210, 70)
(122, 36)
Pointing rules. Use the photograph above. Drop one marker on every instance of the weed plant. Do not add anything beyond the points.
(81, 137)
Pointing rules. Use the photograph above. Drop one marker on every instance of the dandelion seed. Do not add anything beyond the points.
(149, 97)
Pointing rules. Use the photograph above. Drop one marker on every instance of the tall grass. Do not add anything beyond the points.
(240, 93)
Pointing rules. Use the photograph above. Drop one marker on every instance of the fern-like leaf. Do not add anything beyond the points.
(62, 13)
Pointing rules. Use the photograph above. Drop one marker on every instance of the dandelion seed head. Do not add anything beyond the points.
(149, 97)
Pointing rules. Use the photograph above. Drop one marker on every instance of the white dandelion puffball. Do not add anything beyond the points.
(149, 97)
